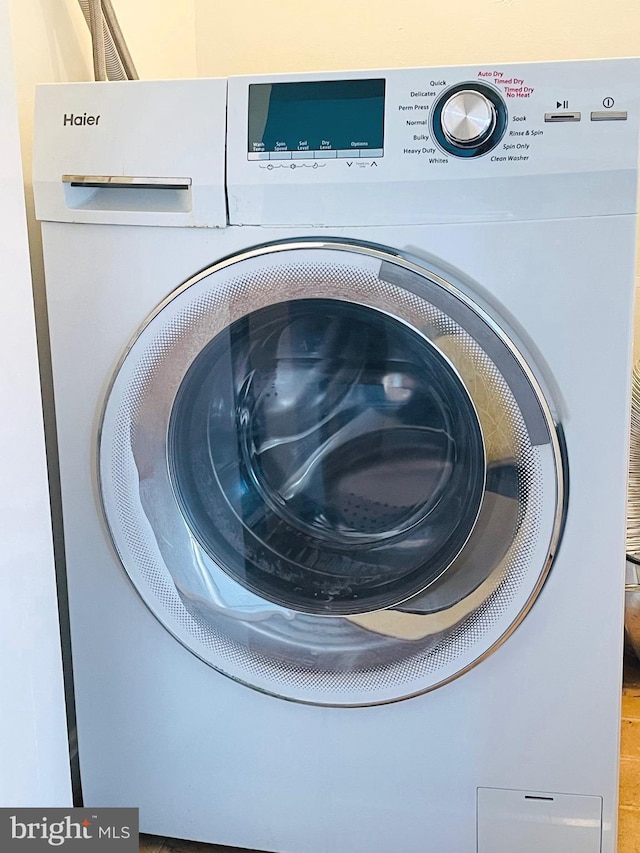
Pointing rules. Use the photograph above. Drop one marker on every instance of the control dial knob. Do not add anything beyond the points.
(468, 118)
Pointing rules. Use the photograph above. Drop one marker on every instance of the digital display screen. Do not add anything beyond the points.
(318, 119)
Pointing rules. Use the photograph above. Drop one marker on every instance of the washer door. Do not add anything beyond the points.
(330, 474)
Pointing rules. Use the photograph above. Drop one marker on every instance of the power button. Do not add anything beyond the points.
(609, 115)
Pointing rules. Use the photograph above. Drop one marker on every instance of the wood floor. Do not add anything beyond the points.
(153, 844)
(629, 813)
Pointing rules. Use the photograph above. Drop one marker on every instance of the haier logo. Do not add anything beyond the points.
(74, 829)
(72, 120)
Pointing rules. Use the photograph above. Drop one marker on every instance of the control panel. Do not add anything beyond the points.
(358, 148)
(410, 129)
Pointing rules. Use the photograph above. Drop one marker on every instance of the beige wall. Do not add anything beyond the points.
(252, 35)
(160, 35)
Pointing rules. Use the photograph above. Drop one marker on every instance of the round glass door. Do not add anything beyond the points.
(330, 474)
(327, 456)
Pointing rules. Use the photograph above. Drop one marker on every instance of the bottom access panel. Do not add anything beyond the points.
(532, 821)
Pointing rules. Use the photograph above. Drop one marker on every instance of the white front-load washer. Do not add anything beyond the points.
(341, 369)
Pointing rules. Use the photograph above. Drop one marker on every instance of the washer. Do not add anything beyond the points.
(341, 366)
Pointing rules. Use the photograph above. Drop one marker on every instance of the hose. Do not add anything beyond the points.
(633, 487)
(97, 40)
(118, 40)
(111, 57)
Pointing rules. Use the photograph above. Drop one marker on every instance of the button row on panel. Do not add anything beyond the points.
(316, 155)
(596, 115)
